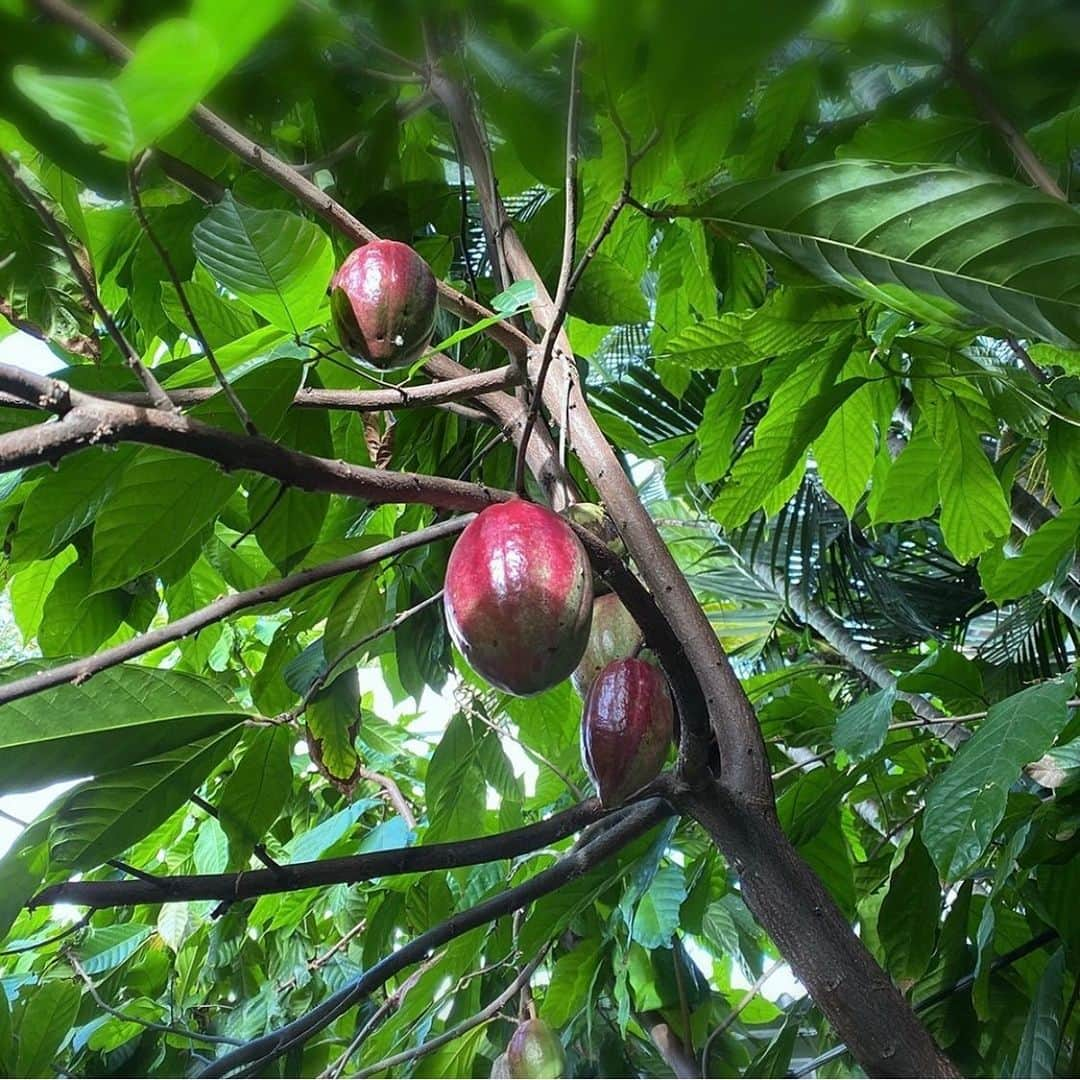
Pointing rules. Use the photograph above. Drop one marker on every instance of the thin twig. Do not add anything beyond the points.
(1026, 362)
(393, 793)
(259, 850)
(484, 1016)
(74, 928)
(134, 179)
(261, 519)
(142, 373)
(566, 267)
(167, 1029)
(737, 1011)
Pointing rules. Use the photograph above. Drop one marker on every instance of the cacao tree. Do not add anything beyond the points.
(367, 370)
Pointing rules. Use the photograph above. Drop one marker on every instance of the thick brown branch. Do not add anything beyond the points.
(78, 671)
(461, 388)
(570, 866)
(814, 937)
(89, 421)
(347, 870)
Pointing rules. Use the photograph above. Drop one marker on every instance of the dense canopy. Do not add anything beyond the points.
(778, 304)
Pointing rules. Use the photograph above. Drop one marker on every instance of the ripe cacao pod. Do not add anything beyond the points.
(518, 597)
(535, 1052)
(626, 728)
(614, 636)
(383, 300)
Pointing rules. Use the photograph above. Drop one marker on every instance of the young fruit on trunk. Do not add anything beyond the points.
(383, 302)
(614, 636)
(519, 597)
(500, 1068)
(535, 1052)
(626, 728)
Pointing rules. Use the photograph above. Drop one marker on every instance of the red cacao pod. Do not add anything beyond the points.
(626, 728)
(535, 1052)
(614, 636)
(518, 597)
(383, 300)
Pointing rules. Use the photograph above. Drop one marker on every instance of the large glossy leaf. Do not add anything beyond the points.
(105, 816)
(938, 243)
(861, 728)
(1007, 578)
(964, 806)
(43, 1024)
(908, 918)
(120, 716)
(275, 261)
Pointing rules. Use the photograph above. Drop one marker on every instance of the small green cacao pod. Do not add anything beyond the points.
(535, 1052)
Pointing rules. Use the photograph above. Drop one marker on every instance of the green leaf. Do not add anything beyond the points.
(572, 979)
(43, 1025)
(31, 587)
(34, 278)
(861, 728)
(1008, 578)
(357, 611)
(608, 295)
(454, 786)
(104, 817)
(1037, 1056)
(925, 140)
(253, 796)
(93, 108)
(275, 261)
(236, 26)
(974, 510)
(161, 501)
(120, 716)
(220, 321)
(715, 342)
(108, 947)
(782, 103)
(966, 803)
(75, 620)
(905, 495)
(309, 845)
(798, 412)
(910, 911)
(171, 70)
(938, 243)
(332, 718)
(657, 915)
(1063, 460)
(67, 500)
(845, 450)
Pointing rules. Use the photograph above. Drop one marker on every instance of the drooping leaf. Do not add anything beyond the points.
(1037, 1056)
(862, 727)
(937, 243)
(252, 797)
(105, 816)
(120, 716)
(43, 1023)
(964, 806)
(1006, 578)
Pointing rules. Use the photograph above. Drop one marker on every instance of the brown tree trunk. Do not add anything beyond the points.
(791, 904)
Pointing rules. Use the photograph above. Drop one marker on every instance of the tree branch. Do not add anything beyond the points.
(78, 671)
(142, 373)
(87, 420)
(167, 1029)
(487, 1013)
(966, 77)
(572, 865)
(134, 176)
(459, 388)
(745, 765)
(393, 793)
(562, 296)
(346, 870)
